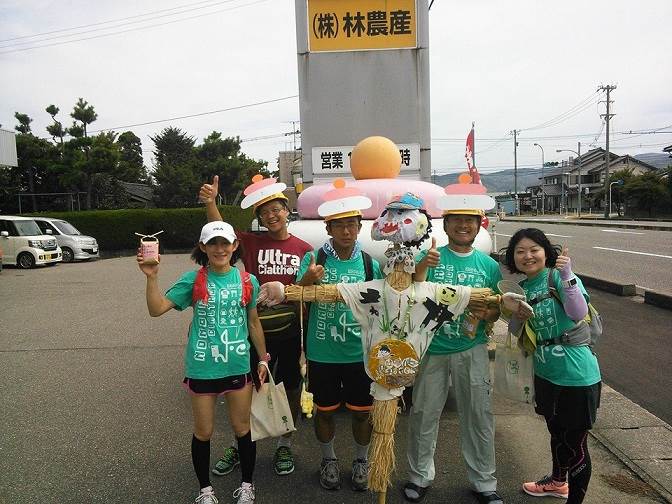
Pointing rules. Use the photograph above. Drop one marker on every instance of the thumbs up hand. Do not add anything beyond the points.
(314, 273)
(563, 259)
(209, 192)
(433, 256)
(564, 264)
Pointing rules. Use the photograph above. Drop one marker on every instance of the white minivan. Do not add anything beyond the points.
(24, 245)
(75, 245)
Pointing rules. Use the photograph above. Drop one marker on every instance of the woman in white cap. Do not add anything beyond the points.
(217, 355)
(271, 256)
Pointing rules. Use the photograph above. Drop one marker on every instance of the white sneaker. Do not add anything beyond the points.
(245, 493)
(207, 496)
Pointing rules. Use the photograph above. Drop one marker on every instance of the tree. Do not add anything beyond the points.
(647, 191)
(131, 167)
(176, 172)
(222, 156)
(84, 113)
(56, 129)
(617, 191)
(24, 123)
(34, 157)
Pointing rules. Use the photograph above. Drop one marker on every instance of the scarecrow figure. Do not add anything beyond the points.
(397, 316)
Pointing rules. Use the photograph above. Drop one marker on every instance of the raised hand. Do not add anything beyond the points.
(150, 270)
(563, 259)
(314, 273)
(209, 192)
(433, 256)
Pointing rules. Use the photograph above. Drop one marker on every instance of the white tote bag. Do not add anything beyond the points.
(270, 416)
(514, 372)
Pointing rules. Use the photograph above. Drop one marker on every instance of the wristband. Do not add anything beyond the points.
(266, 358)
(568, 283)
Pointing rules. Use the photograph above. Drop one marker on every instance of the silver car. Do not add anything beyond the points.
(74, 245)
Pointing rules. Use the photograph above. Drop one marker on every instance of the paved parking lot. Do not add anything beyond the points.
(93, 410)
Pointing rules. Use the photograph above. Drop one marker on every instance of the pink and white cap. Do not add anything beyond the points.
(262, 190)
(342, 202)
(465, 198)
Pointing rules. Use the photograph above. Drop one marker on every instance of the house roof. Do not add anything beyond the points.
(138, 192)
(620, 159)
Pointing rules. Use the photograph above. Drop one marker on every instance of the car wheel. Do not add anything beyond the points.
(25, 260)
(68, 255)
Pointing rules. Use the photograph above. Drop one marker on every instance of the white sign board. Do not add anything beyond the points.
(8, 148)
(329, 161)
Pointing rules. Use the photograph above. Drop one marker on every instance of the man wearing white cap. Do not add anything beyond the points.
(272, 256)
(458, 354)
(333, 343)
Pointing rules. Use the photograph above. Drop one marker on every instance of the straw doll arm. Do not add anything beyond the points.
(326, 293)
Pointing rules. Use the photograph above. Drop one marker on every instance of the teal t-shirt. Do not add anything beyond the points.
(218, 344)
(474, 270)
(334, 336)
(560, 364)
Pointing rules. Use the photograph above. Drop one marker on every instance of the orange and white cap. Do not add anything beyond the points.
(262, 190)
(342, 202)
(465, 198)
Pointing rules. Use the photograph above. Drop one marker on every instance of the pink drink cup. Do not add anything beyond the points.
(150, 250)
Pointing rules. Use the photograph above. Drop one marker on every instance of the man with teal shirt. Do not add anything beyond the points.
(333, 342)
(458, 354)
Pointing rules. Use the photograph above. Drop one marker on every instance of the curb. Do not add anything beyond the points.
(631, 464)
(648, 227)
(658, 299)
(608, 286)
(613, 287)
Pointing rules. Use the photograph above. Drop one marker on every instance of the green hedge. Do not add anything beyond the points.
(114, 229)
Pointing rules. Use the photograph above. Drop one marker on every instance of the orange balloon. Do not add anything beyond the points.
(375, 157)
(464, 178)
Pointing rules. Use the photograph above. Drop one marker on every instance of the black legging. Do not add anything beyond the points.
(571, 460)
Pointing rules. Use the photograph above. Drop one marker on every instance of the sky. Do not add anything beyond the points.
(529, 65)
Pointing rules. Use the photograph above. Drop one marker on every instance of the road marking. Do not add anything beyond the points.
(633, 252)
(558, 236)
(623, 232)
(502, 234)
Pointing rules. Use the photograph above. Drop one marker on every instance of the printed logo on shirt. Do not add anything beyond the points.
(275, 262)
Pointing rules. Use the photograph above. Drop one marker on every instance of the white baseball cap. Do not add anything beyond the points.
(217, 228)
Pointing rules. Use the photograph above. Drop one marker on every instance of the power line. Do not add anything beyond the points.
(238, 107)
(151, 13)
(131, 29)
(579, 107)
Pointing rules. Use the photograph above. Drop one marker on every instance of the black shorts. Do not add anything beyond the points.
(331, 383)
(285, 355)
(217, 386)
(571, 408)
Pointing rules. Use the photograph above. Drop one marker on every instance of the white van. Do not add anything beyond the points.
(24, 245)
(75, 245)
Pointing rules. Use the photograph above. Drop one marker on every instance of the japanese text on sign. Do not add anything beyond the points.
(336, 160)
(355, 25)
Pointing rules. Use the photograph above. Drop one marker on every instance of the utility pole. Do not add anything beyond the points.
(607, 116)
(579, 193)
(515, 170)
